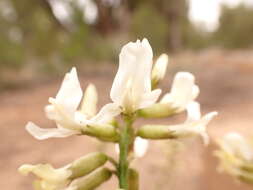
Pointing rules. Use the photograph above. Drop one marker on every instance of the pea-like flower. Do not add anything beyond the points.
(183, 91)
(72, 176)
(195, 124)
(49, 178)
(60, 179)
(64, 110)
(131, 89)
(236, 156)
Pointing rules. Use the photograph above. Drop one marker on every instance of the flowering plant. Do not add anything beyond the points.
(134, 95)
(236, 157)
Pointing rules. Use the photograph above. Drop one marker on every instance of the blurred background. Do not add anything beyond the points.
(42, 39)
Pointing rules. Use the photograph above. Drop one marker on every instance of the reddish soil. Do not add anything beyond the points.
(226, 83)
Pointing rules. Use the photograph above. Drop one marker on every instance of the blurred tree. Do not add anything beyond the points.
(176, 13)
(46, 34)
(11, 50)
(148, 22)
(235, 28)
(172, 12)
(106, 22)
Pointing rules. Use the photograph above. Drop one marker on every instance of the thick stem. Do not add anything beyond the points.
(124, 143)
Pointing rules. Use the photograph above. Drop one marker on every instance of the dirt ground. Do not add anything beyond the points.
(226, 83)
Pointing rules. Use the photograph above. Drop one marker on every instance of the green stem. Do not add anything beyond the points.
(124, 144)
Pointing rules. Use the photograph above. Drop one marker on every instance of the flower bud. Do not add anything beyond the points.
(91, 181)
(247, 178)
(90, 99)
(157, 111)
(133, 179)
(87, 164)
(102, 132)
(159, 69)
(155, 132)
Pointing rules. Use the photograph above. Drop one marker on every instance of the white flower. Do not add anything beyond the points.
(160, 67)
(194, 124)
(49, 178)
(140, 147)
(183, 92)
(235, 144)
(131, 88)
(235, 156)
(64, 110)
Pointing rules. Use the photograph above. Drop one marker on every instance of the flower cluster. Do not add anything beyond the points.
(236, 157)
(134, 94)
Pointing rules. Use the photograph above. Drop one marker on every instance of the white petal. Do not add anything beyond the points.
(234, 143)
(149, 99)
(106, 114)
(194, 125)
(124, 71)
(140, 147)
(193, 112)
(89, 105)
(208, 117)
(160, 67)
(205, 138)
(81, 119)
(182, 92)
(116, 148)
(61, 115)
(41, 134)
(46, 172)
(195, 92)
(133, 78)
(51, 113)
(142, 70)
(70, 93)
(202, 125)
(167, 98)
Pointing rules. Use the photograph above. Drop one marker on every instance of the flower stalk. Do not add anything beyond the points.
(134, 95)
(125, 143)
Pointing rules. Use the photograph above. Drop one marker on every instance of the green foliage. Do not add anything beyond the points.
(194, 37)
(11, 53)
(148, 22)
(31, 34)
(236, 27)
(45, 42)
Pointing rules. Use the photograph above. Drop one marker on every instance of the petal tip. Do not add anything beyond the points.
(185, 76)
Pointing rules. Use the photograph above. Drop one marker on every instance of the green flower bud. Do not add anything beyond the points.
(155, 132)
(91, 181)
(87, 164)
(103, 132)
(133, 179)
(246, 177)
(157, 111)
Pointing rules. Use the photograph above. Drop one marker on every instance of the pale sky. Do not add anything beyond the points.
(207, 12)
